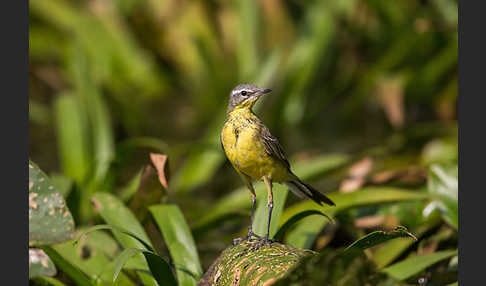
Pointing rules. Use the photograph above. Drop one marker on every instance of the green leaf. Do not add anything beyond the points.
(63, 184)
(442, 183)
(190, 174)
(120, 261)
(47, 281)
(115, 213)
(114, 229)
(40, 264)
(97, 113)
(307, 229)
(411, 266)
(378, 237)
(93, 255)
(160, 269)
(289, 223)
(304, 60)
(72, 137)
(131, 188)
(261, 213)
(178, 238)
(392, 249)
(73, 272)
(240, 198)
(49, 218)
(247, 38)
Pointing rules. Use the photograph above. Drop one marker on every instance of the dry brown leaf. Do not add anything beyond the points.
(161, 165)
(411, 175)
(357, 175)
(369, 221)
(390, 95)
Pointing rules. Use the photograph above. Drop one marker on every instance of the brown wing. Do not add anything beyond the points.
(272, 146)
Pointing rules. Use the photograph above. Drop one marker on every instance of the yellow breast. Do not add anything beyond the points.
(245, 150)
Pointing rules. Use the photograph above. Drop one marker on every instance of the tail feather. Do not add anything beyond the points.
(302, 189)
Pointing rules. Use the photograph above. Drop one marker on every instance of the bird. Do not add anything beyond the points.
(257, 155)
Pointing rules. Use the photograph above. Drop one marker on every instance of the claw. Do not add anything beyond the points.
(261, 243)
(249, 236)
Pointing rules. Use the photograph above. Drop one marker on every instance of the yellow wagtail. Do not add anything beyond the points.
(256, 154)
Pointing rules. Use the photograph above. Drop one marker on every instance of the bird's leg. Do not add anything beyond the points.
(250, 227)
(250, 233)
(266, 240)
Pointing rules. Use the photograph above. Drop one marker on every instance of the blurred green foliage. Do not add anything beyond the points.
(111, 81)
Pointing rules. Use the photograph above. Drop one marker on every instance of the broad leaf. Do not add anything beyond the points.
(49, 218)
(93, 254)
(115, 213)
(178, 238)
(442, 183)
(40, 264)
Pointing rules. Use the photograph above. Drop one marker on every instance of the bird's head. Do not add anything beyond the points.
(245, 96)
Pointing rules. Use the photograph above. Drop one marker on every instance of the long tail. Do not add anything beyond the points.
(302, 189)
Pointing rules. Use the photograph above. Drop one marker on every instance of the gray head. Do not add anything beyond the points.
(245, 95)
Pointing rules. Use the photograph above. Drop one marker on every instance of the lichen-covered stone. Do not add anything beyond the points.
(242, 265)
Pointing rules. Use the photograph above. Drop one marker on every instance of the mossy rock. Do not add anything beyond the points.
(242, 265)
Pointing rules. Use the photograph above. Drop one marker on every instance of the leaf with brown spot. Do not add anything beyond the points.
(47, 210)
(161, 164)
(40, 264)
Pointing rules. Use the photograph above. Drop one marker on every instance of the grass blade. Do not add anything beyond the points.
(160, 269)
(378, 237)
(442, 182)
(98, 116)
(307, 229)
(115, 213)
(240, 198)
(115, 229)
(247, 38)
(79, 277)
(392, 249)
(178, 238)
(122, 259)
(411, 266)
(72, 137)
(289, 223)
(261, 212)
(93, 255)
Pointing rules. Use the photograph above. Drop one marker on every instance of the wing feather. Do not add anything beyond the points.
(272, 146)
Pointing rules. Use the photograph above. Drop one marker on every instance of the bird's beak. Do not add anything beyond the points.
(263, 91)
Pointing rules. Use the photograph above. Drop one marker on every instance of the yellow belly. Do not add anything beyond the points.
(246, 152)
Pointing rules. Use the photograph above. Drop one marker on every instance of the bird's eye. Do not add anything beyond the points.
(244, 93)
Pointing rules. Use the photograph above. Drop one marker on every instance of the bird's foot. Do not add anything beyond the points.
(262, 242)
(249, 236)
